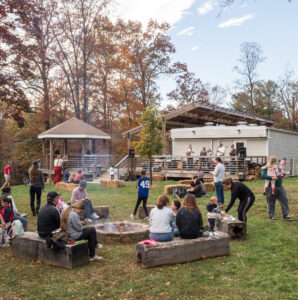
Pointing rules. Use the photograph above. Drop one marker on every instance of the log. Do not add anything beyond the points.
(168, 189)
(102, 211)
(66, 186)
(182, 250)
(142, 212)
(234, 228)
(30, 245)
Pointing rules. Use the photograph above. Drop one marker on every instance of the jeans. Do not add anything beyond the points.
(35, 190)
(88, 209)
(140, 199)
(163, 237)
(211, 224)
(89, 234)
(23, 220)
(219, 192)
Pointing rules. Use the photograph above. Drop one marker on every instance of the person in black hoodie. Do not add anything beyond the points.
(245, 195)
(189, 218)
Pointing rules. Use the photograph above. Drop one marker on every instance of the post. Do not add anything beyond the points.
(65, 146)
(164, 137)
(43, 147)
(83, 155)
(128, 141)
(51, 161)
(93, 146)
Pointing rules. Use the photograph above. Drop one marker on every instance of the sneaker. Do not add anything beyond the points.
(132, 216)
(288, 218)
(272, 219)
(95, 258)
(88, 220)
(147, 218)
(94, 216)
(99, 246)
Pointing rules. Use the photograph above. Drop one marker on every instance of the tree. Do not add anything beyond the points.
(251, 56)
(150, 142)
(189, 89)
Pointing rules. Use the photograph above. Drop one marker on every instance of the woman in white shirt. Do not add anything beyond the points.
(58, 162)
(160, 221)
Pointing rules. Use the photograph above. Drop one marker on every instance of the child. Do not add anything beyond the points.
(112, 172)
(175, 206)
(282, 167)
(273, 171)
(213, 212)
(71, 224)
(61, 206)
(143, 186)
(6, 211)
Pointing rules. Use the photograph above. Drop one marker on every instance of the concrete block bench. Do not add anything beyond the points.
(182, 250)
(112, 183)
(142, 212)
(234, 228)
(102, 211)
(66, 186)
(31, 246)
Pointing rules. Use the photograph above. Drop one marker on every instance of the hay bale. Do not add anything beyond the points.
(187, 181)
(168, 189)
(158, 177)
(209, 186)
(66, 186)
(112, 183)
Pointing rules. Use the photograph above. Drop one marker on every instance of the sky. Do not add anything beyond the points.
(208, 38)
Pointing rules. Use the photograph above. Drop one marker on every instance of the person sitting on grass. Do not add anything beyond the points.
(78, 177)
(175, 207)
(6, 211)
(80, 194)
(72, 224)
(196, 188)
(189, 218)
(6, 192)
(160, 221)
(66, 175)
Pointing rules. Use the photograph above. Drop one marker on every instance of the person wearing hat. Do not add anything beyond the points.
(80, 194)
(49, 217)
(36, 182)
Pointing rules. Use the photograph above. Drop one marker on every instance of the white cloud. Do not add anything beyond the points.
(236, 21)
(206, 7)
(170, 11)
(195, 48)
(186, 31)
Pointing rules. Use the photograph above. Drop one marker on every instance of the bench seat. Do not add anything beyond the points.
(30, 245)
(182, 250)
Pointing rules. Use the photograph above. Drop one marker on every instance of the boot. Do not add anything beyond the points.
(37, 210)
(33, 210)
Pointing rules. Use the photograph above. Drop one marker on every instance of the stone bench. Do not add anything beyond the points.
(101, 211)
(66, 186)
(234, 228)
(182, 250)
(112, 183)
(142, 212)
(30, 245)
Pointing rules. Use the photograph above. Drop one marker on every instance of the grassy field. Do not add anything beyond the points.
(263, 267)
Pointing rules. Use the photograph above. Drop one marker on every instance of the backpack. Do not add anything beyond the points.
(16, 229)
(4, 242)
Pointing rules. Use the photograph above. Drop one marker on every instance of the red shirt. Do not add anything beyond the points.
(6, 169)
(78, 177)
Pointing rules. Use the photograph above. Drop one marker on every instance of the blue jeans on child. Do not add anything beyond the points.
(88, 209)
(219, 192)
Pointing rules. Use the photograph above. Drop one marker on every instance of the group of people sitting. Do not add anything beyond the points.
(67, 222)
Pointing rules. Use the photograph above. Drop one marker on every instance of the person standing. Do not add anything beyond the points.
(143, 191)
(58, 162)
(112, 172)
(7, 176)
(245, 195)
(221, 150)
(280, 194)
(233, 151)
(219, 175)
(36, 182)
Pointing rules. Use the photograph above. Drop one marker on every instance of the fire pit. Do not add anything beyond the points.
(121, 232)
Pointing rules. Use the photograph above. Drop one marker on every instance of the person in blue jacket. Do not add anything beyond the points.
(143, 190)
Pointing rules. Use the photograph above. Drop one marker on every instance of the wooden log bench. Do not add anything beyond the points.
(66, 186)
(30, 245)
(112, 183)
(101, 211)
(182, 250)
(234, 228)
(142, 212)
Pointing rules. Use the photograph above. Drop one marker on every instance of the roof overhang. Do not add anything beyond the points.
(73, 136)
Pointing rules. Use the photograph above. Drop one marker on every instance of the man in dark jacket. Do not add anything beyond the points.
(49, 217)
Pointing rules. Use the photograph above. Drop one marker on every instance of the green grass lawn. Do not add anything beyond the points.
(263, 267)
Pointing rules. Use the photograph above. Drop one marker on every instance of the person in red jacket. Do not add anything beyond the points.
(7, 175)
(6, 211)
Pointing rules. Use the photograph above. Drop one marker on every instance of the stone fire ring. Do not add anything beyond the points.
(137, 233)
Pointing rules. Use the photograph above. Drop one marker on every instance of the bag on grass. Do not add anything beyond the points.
(16, 229)
(4, 242)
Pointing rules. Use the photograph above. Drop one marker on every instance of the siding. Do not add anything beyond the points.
(181, 145)
(256, 147)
